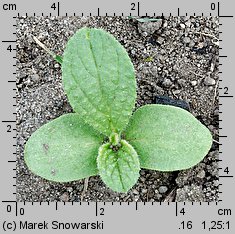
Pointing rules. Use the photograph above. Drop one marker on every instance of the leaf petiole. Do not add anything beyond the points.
(114, 139)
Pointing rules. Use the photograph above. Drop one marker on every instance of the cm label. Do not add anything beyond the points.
(9, 7)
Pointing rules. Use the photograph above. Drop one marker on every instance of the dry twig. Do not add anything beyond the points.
(86, 180)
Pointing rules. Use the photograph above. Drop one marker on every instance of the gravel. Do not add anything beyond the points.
(166, 83)
(172, 57)
(209, 81)
(193, 82)
(148, 28)
(191, 193)
(187, 40)
(162, 189)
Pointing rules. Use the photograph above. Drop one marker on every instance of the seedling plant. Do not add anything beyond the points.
(104, 137)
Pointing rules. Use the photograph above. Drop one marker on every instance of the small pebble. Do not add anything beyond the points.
(191, 44)
(194, 83)
(64, 197)
(188, 23)
(209, 81)
(176, 92)
(167, 83)
(201, 174)
(162, 189)
(216, 183)
(135, 191)
(187, 40)
(160, 40)
(216, 112)
(69, 189)
(136, 198)
(149, 27)
(35, 77)
(144, 191)
(181, 82)
(212, 67)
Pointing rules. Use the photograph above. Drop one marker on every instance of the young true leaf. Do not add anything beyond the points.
(167, 138)
(59, 59)
(99, 80)
(118, 167)
(63, 150)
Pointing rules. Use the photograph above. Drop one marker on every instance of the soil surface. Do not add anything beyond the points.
(174, 56)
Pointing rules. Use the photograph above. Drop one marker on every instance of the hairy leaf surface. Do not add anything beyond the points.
(64, 149)
(167, 138)
(118, 169)
(99, 79)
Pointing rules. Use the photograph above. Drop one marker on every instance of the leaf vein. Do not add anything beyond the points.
(84, 93)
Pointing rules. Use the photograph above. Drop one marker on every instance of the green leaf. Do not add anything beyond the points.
(99, 80)
(118, 168)
(167, 138)
(64, 149)
(59, 59)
